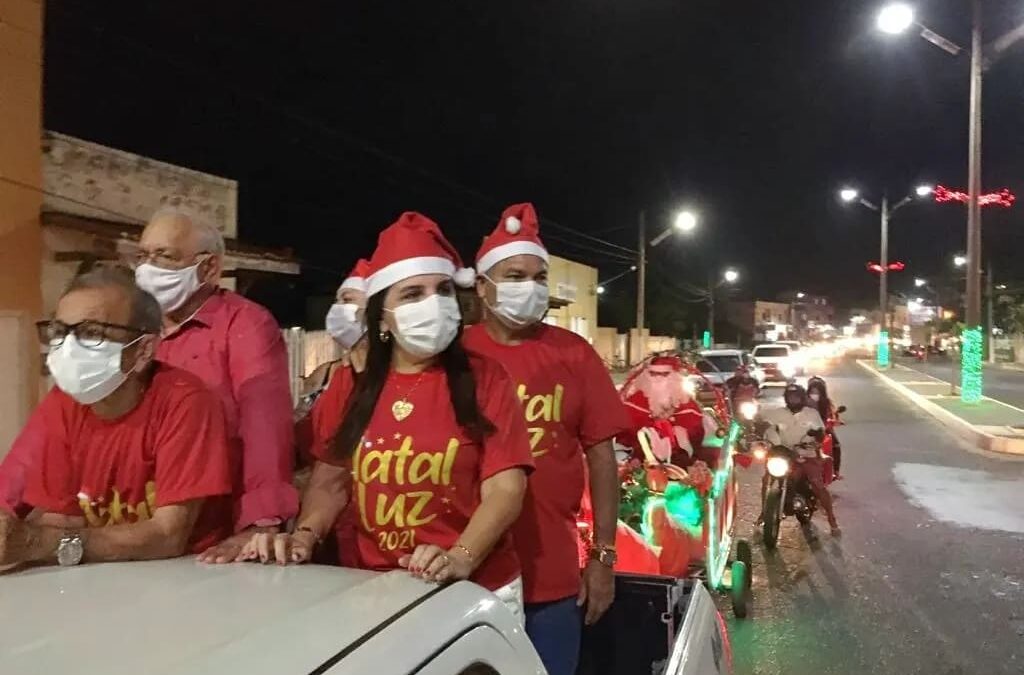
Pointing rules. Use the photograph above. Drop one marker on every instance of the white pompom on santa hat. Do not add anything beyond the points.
(411, 246)
(517, 233)
(356, 280)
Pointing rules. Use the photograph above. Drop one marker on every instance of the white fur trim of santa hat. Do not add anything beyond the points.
(410, 267)
(513, 248)
(353, 284)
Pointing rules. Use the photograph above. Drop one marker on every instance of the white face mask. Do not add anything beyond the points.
(427, 327)
(87, 374)
(520, 303)
(815, 397)
(343, 325)
(171, 288)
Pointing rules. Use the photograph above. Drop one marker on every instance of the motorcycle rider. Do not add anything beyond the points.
(817, 392)
(742, 386)
(792, 425)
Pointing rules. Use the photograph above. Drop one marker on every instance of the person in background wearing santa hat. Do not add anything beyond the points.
(346, 324)
(572, 411)
(658, 399)
(427, 442)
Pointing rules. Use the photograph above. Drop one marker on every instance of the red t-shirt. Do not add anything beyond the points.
(417, 481)
(570, 404)
(171, 448)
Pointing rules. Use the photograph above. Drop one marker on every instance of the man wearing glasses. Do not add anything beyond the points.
(235, 346)
(126, 458)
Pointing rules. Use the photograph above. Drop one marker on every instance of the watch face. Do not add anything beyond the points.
(69, 552)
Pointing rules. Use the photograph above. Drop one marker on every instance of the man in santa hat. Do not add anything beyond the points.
(658, 399)
(572, 411)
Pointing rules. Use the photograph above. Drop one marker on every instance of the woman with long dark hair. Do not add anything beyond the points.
(427, 445)
(818, 398)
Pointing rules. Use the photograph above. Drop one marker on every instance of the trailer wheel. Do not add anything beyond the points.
(740, 590)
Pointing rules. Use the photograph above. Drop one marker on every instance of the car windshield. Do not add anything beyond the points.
(725, 363)
(771, 351)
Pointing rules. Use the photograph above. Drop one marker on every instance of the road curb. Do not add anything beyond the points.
(966, 430)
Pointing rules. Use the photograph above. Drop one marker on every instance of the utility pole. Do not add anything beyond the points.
(973, 313)
(711, 307)
(990, 317)
(641, 283)
(883, 275)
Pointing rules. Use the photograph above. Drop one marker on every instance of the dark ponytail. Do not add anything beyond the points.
(366, 394)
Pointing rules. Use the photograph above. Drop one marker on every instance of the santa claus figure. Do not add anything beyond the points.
(658, 399)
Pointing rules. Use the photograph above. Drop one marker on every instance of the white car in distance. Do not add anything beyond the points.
(718, 365)
(776, 360)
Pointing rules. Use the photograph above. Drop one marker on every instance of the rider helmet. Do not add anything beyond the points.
(795, 397)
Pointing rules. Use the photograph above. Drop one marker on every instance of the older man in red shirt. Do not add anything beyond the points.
(235, 346)
(126, 458)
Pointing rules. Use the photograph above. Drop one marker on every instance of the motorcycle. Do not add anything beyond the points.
(786, 495)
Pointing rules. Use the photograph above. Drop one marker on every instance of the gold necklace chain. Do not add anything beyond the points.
(401, 408)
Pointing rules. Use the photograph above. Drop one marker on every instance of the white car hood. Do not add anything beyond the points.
(180, 616)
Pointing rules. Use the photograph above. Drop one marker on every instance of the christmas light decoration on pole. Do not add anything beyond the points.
(1003, 198)
(970, 365)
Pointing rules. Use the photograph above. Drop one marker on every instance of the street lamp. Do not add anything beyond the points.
(885, 212)
(919, 282)
(960, 260)
(730, 275)
(895, 18)
(600, 290)
(801, 295)
(685, 222)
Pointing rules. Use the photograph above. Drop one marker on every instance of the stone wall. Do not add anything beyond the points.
(92, 180)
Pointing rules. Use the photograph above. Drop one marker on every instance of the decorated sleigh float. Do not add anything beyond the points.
(678, 522)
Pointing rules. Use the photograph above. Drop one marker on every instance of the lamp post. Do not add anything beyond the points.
(729, 276)
(897, 18)
(885, 211)
(685, 222)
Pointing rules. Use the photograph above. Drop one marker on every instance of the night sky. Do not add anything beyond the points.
(335, 117)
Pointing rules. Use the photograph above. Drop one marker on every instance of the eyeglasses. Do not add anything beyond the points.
(88, 333)
(162, 259)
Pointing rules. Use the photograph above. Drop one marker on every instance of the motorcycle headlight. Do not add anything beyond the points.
(760, 450)
(748, 409)
(778, 466)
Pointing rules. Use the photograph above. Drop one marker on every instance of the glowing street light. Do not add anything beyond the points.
(731, 276)
(600, 290)
(848, 194)
(959, 260)
(686, 222)
(919, 282)
(924, 190)
(895, 18)
(801, 295)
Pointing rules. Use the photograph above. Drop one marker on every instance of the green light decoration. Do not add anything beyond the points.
(707, 339)
(970, 365)
(883, 349)
(684, 505)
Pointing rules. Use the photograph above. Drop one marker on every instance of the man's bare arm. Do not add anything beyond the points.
(165, 535)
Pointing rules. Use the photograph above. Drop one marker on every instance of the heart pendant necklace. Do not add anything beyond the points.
(402, 408)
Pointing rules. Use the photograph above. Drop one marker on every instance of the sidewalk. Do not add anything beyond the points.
(989, 424)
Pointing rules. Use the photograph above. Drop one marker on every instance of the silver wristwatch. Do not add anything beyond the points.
(70, 550)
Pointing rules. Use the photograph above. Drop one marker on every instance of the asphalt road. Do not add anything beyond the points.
(1003, 385)
(928, 576)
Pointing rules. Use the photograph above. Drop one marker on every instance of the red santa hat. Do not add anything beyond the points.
(356, 280)
(411, 246)
(516, 234)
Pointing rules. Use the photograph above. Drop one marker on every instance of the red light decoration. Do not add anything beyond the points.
(1003, 198)
(894, 266)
